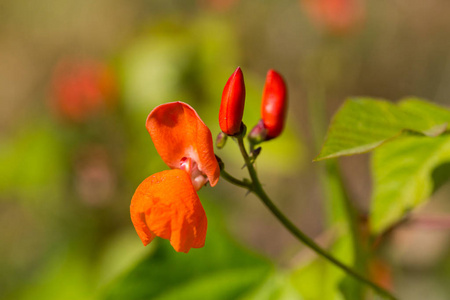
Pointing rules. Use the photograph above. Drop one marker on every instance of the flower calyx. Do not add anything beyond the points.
(258, 134)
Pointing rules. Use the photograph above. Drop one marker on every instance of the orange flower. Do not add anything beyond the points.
(166, 204)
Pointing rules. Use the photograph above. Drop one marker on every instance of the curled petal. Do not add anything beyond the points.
(166, 205)
(178, 132)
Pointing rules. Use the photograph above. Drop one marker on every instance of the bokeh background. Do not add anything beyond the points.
(77, 81)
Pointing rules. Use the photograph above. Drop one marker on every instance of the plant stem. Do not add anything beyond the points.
(259, 191)
(340, 207)
(235, 181)
(331, 181)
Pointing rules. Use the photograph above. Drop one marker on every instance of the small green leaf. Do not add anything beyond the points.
(404, 173)
(363, 124)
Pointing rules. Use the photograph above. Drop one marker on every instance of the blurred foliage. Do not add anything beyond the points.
(23, 158)
(304, 278)
(364, 124)
(66, 185)
(403, 176)
(413, 141)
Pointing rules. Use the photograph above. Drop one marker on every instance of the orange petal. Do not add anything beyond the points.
(166, 205)
(177, 131)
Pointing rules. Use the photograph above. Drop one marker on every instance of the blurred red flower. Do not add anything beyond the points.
(82, 89)
(336, 16)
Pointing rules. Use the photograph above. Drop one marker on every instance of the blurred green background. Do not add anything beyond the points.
(77, 81)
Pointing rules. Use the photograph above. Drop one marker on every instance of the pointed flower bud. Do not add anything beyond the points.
(232, 105)
(274, 104)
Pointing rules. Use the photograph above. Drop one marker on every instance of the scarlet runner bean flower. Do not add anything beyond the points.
(232, 105)
(166, 204)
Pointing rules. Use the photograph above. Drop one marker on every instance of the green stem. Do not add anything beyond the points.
(338, 198)
(329, 174)
(259, 191)
(235, 181)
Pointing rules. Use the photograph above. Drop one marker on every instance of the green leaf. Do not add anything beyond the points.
(363, 124)
(404, 171)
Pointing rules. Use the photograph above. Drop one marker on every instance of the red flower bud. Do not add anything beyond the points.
(232, 105)
(274, 104)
